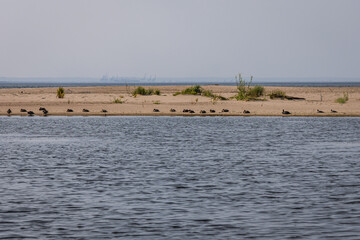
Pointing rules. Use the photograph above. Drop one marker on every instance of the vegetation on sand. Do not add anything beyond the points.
(198, 90)
(343, 99)
(60, 92)
(245, 92)
(142, 91)
(277, 94)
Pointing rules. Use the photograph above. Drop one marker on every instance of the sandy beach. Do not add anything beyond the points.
(95, 99)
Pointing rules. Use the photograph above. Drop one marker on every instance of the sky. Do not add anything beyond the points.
(180, 38)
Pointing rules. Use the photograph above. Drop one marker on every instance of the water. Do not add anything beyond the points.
(179, 178)
(4, 85)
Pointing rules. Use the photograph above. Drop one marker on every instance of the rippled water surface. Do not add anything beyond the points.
(179, 177)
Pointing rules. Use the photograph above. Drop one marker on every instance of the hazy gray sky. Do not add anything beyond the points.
(180, 38)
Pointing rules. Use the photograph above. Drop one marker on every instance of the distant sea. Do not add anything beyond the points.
(7, 84)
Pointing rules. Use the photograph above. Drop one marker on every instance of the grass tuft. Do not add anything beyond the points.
(277, 94)
(142, 91)
(343, 99)
(60, 92)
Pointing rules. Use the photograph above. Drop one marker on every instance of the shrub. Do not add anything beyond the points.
(344, 99)
(245, 92)
(277, 94)
(60, 92)
(194, 90)
(198, 90)
(142, 91)
(255, 92)
(117, 100)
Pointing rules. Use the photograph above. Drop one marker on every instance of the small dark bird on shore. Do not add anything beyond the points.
(156, 110)
(45, 112)
(191, 111)
(23, 110)
(172, 110)
(285, 112)
(85, 110)
(186, 110)
(9, 111)
(333, 111)
(319, 111)
(30, 113)
(202, 111)
(69, 110)
(212, 110)
(42, 109)
(246, 111)
(104, 111)
(225, 110)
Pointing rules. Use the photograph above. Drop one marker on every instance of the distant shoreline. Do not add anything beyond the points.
(95, 99)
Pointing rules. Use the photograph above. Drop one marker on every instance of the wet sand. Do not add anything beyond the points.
(97, 98)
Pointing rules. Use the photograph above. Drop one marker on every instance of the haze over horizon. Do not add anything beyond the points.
(191, 38)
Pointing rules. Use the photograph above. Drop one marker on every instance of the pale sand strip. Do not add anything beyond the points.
(97, 98)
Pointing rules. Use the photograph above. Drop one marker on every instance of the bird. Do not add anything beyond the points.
(285, 112)
(172, 110)
(85, 110)
(30, 113)
(212, 110)
(104, 111)
(23, 110)
(333, 111)
(225, 110)
(319, 111)
(9, 111)
(69, 110)
(42, 109)
(246, 111)
(156, 110)
(202, 111)
(186, 110)
(45, 112)
(191, 111)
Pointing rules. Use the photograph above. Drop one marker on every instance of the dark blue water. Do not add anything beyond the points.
(179, 178)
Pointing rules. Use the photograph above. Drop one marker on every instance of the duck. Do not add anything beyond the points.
(85, 110)
(156, 110)
(333, 111)
(225, 110)
(202, 111)
(285, 112)
(30, 113)
(23, 110)
(186, 110)
(191, 111)
(9, 111)
(42, 109)
(246, 111)
(212, 110)
(319, 111)
(45, 112)
(172, 110)
(104, 111)
(69, 110)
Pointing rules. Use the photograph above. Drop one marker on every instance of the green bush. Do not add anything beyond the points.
(142, 91)
(198, 90)
(118, 101)
(277, 94)
(245, 92)
(60, 92)
(343, 99)
(256, 91)
(194, 90)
